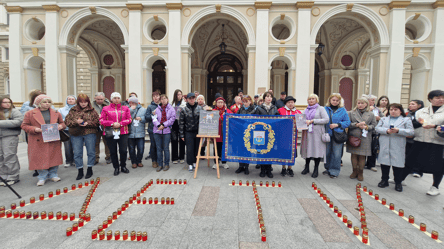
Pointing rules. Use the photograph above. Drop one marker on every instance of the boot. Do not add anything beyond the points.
(116, 171)
(268, 172)
(155, 164)
(383, 184)
(315, 171)
(290, 172)
(35, 173)
(355, 173)
(80, 174)
(239, 170)
(398, 187)
(124, 169)
(258, 166)
(284, 172)
(361, 174)
(306, 170)
(246, 171)
(89, 172)
(262, 174)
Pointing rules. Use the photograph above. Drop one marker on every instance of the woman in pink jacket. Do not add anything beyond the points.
(118, 117)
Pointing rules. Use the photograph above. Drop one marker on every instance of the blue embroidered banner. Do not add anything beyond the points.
(259, 139)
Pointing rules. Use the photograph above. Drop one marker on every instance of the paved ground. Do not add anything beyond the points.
(211, 214)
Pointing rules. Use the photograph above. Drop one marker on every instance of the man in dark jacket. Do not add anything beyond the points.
(280, 102)
(99, 102)
(188, 128)
(150, 111)
(274, 99)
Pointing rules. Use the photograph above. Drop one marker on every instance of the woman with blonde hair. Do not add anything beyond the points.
(312, 144)
(338, 122)
(362, 126)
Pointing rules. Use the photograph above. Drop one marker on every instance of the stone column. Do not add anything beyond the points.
(16, 72)
(204, 82)
(94, 80)
(149, 84)
(395, 64)
(52, 56)
(245, 81)
(174, 48)
(262, 33)
(251, 50)
(378, 70)
(303, 57)
(363, 76)
(135, 50)
(69, 54)
(437, 60)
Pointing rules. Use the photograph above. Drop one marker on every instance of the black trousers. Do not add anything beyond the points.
(177, 147)
(192, 143)
(397, 172)
(219, 151)
(123, 150)
(245, 165)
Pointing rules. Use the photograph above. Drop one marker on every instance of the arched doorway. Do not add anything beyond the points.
(224, 77)
(159, 77)
(279, 77)
(35, 73)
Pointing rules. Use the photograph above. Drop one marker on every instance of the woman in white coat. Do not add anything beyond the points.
(393, 131)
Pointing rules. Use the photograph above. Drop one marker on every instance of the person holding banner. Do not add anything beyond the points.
(118, 117)
(43, 157)
(313, 141)
(83, 121)
(177, 145)
(289, 109)
(247, 108)
(188, 129)
(163, 120)
(267, 108)
(220, 106)
(338, 122)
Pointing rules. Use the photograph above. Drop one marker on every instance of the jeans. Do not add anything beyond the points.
(192, 143)
(163, 148)
(138, 143)
(153, 148)
(47, 173)
(334, 154)
(90, 144)
(177, 148)
(123, 147)
(69, 151)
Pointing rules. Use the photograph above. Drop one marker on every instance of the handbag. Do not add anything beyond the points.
(64, 137)
(325, 138)
(109, 129)
(354, 141)
(338, 137)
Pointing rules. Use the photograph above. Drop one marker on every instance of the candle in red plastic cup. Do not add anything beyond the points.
(376, 197)
(119, 211)
(175, 181)
(363, 224)
(65, 190)
(109, 235)
(356, 231)
(170, 181)
(144, 200)
(150, 200)
(88, 217)
(130, 200)
(157, 181)
(41, 197)
(16, 214)
(125, 235)
(240, 182)
(117, 235)
(138, 193)
(339, 213)
(364, 239)
(233, 183)
(101, 235)
(349, 224)
(279, 184)
(331, 204)
(86, 183)
(365, 189)
(267, 184)
(370, 192)
(139, 236)
(133, 235)
(435, 235)
(114, 215)
(22, 214)
(73, 187)
(384, 201)
(69, 231)
(344, 219)
(273, 184)
(423, 227)
(8, 214)
(162, 200)
(58, 215)
(401, 212)
(156, 200)
(180, 181)
(261, 183)
(138, 200)
(105, 224)
(161, 181)
(365, 231)
(65, 216)
(411, 219)
(312, 184)
(43, 215)
(75, 227)
(144, 236)
(72, 216)
(263, 237)
(327, 200)
(22, 203)
(80, 185)
(110, 220)
(172, 201)
(94, 234)
(248, 183)
(168, 200)
(392, 206)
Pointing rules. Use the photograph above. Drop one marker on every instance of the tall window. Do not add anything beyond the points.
(7, 85)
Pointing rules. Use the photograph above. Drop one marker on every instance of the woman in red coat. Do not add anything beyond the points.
(220, 106)
(43, 157)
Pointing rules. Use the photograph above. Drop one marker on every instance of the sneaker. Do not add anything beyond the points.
(108, 161)
(190, 168)
(214, 166)
(290, 172)
(325, 172)
(175, 162)
(433, 191)
(41, 183)
(417, 175)
(2, 184)
(374, 169)
(333, 177)
(182, 161)
(56, 179)
(12, 182)
(67, 165)
(194, 165)
(226, 166)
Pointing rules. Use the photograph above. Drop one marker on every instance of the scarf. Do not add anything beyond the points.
(221, 111)
(267, 107)
(311, 111)
(164, 114)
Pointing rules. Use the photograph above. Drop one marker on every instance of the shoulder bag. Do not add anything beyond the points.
(338, 137)
(109, 129)
(64, 137)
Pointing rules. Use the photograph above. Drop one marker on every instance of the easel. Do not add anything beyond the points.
(207, 156)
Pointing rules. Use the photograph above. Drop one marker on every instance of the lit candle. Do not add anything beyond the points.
(172, 201)
(133, 235)
(130, 200)
(401, 212)
(8, 214)
(365, 189)
(88, 217)
(319, 190)
(125, 235)
(101, 235)
(363, 218)
(168, 200)
(65, 190)
(100, 228)
(370, 192)
(75, 227)
(349, 224)
(59, 215)
(150, 200)
(376, 197)
(423, 227)
(69, 231)
(22, 214)
(73, 187)
(331, 204)
(43, 215)
(110, 220)
(41, 197)
(279, 184)
(363, 224)
(339, 213)
(117, 235)
(126, 204)
(356, 231)
(138, 193)
(161, 181)
(144, 236)
(253, 183)
(267, 184)
(157, 181)
(175, 181)
(114, 215)
(392, 206)
(233, 183)
(327, 200)
(16, 214)
(384, 201)
(263, 237)
(315, 187)
(162, 200)
(180, 181)
(94, 234)
(312, 184)
(144, 200)
(344, 219)
(92, 181)
(32, 200)
(240, 182)
(22, 203)
(109, 235)
(139, 236)
(365, 231)
(119, 211)
(80, 185)
(364, 239)
(72, 216)
(260, 184)
(35, 215)
(335, 209)
(435, 235)
(170, 181)
(138, 200)
(86, 183)
(411, 219)
(134, 197)
(123, 207)
(156, 200)
(248, 183)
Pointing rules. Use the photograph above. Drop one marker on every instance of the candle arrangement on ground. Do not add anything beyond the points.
(171, 182)
(261, 184)
(410, 219)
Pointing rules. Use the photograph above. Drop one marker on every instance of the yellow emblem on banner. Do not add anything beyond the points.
(259, 138)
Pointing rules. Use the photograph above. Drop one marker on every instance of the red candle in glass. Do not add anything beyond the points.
(16, 214)
(365, 189)
(267, 184)
(240, 182)
(144, 200)
(80, 185)
(180, 181)
(411, 219)
(41, 197)
(109, 235)
(423, 227)
(331, 204)
(58, 215)
(157, 181)
(261, 183)
(133, 235)
(69, 231)
(72, 216)
(8, 214)
(105, 224)
(184, 181)
(370, 192)
(168, 200)
(233, 183)
(339, 213)
(263, 237)
(364, 239)
(248, 183)
(92, 181)
(86, 183)
(365, 231)
(81, 222)
(162, 201)
(344, 219)
(110, 220)
(126, 204)
(88, 217)
(319, 190)
(392, 206)
(315, 187)
(401, 212)
(253, 183)
(435, 235)
(150, 201)
(22, 215)
(156, 200)
(138, 200)
(43, 215)
(172, 201)
(2, 214)
(119, 211)
(175, 181)
(349, 224)
(363, 224)
(130, 200)
(356, 231)
(94, 234)
(279, 184)
(100, 228)
(376, 197)
(65, 216)
(28, 215)
(75, 227)
(73, 187)
(139, 236)
(101, 235)
(327, 200)
(125, 235)
(22, 203)
(117, 235)
(384, 201)
(114, 215)
(324, 196)
(312, 184)
(144, 236)
(161, 181)
(363, 218)
(65, 190)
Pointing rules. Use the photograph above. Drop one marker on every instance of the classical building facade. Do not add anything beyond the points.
(379, 47)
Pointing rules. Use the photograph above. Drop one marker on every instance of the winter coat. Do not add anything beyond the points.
(65, 110)
(261, 110)
(429, 135)
(170, 116)
(24, 107)
(221, 121)
(42, 155)
(339, 116)
(175, 126)
(148, 115)
(415, 123)
(311, 142)
(116, 113)
(251, 110)
(28, 108)
(138, 131)
(234, 108)
(287, 111)
(280, 103)
(89, 116)
(366, 142)
(13, 121)
(99, 108)
(189, 119)
(392, 146)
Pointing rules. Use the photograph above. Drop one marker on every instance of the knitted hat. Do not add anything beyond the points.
(133, 99)
(115, 94)
(40, 98)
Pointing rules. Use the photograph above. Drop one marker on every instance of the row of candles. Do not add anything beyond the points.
(139, 236)
(383, 201)
(259, 213)
(166, 201)
(89, 197)
(344, 217)
(261, 184)
(170, 181)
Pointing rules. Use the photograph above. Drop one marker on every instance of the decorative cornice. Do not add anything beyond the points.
(438, 4)
(304, 5)
(399, 4)
(262, 5)
(12, 9)
(174, 6)
(350, 6)
(218, 7)
(93, 10)
(134, 6)
(51, 8)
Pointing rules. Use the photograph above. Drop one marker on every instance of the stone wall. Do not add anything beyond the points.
(406, 81)
(83, 74)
